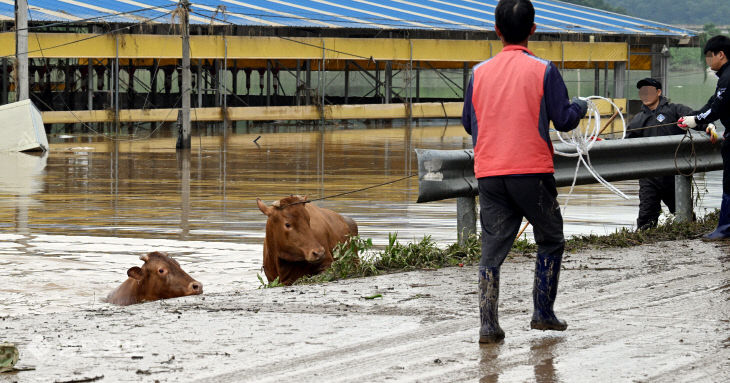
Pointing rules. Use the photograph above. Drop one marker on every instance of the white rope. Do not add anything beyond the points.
(582, 142)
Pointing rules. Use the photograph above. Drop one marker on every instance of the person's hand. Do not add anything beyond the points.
(687, 122)
(712, 132)
(583, 104)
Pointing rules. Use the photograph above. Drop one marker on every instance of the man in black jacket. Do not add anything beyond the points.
(655, 114)
(717, 55)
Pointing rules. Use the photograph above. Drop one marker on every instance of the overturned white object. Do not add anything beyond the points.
(21, 128)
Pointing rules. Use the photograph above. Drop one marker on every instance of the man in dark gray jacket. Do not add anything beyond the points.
(657, 110)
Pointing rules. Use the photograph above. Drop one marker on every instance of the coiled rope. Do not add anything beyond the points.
(582, 140)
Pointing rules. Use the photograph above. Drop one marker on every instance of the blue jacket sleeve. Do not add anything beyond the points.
(564, 115)
(466, 114)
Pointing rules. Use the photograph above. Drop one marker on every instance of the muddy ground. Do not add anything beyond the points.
(655, 313)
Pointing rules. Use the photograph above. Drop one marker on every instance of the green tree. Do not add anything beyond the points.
(598, 4)
(673, 12)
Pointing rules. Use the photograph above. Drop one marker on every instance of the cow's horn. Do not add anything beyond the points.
(276, 204)
(144, 258)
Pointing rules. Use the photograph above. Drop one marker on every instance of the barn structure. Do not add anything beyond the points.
(107, 61)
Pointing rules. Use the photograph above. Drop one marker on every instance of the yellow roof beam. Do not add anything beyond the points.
(73, 45)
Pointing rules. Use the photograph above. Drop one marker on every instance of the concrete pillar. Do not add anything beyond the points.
(683, 198)
(466, 218)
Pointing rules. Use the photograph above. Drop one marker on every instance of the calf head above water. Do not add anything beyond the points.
(161, 277)
(289, 232)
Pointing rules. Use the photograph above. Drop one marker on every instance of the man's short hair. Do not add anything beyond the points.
(718, 44)
(515, 19)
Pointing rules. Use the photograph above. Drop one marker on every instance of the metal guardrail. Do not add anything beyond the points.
(444, 174)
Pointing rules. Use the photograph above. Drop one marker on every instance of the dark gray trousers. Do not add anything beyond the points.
(504, 200)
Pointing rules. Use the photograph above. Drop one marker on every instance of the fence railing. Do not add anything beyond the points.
(444, 174)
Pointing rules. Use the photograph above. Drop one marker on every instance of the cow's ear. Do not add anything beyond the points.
(135, 273)
(262, 206)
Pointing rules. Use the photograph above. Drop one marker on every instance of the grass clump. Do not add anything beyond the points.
(357, 258)
(670, 230)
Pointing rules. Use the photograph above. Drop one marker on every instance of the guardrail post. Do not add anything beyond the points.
(466, 218)
(683, 198)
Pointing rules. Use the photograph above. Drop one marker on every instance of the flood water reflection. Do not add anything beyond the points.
(72, 221)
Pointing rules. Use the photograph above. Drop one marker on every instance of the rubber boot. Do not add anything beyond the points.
(489, 332)
(547, 271)
(723, 224)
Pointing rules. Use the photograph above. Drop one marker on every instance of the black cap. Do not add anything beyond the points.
(648, 82)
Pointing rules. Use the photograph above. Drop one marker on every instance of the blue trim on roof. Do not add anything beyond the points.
(552, 16)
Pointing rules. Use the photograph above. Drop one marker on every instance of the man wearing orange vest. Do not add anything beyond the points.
(508, 106)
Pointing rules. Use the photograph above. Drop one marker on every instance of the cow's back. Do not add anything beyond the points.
(329, 226)
(125, 294)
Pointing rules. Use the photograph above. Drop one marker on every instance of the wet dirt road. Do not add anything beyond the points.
(654, 313)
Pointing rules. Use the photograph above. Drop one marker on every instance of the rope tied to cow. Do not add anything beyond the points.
(349, 192)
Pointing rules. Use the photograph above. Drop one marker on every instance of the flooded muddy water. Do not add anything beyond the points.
(74, 220)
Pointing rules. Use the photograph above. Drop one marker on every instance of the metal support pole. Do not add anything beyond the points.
(466, 77)
(116, 86)
(216, 81)
(683, 198)
(466, 218)
(21, 50)
(596, 80)
(619, 80)
(418, 81)
(184, 142)
(347, 81)
(377, 81)
(199, 83)
(268, 82)
(4, 93)
(153, 81)
(224, 82)
(388, 81)
(308, 83)
(660, 66)
(298, 89)
(605, 81)
(90, 85)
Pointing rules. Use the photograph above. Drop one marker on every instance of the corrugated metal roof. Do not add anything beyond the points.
(477, 15)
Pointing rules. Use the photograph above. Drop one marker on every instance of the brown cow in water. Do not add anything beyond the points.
(161, 277)
(300, 237)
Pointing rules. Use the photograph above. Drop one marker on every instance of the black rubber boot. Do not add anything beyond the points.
(489, 332)
(547, 271)
(723, 225)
